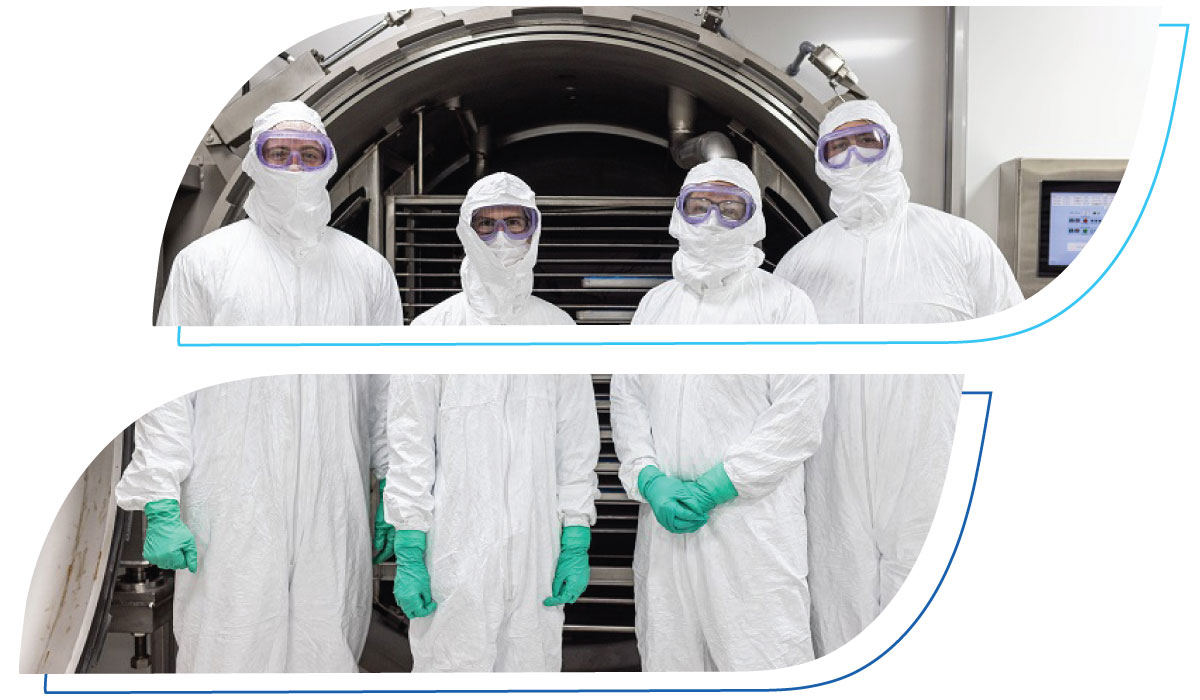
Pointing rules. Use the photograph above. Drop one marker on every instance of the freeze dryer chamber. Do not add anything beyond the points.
(601, 110)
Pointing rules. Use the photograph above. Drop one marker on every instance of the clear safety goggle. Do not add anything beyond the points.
(286, 150)
(733, 205)
(868, 143)
(517, 222)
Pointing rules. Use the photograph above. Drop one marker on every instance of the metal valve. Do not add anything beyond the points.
(831, 64)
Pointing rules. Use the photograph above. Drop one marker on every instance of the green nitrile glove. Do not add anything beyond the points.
(169, 543)
(572, 573)
(411, 587)
(673, 505)
(712, 488)
(385, 534)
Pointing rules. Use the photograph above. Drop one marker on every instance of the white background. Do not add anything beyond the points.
(1050, 82)
(1077, 571)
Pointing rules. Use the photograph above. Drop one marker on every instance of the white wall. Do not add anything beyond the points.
(898, 53)
(1050, 83)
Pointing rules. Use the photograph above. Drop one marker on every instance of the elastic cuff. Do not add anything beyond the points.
(716, 482)
(409, 538)
(648, 474)
(576, 536)
(163, 508)
(579, 519)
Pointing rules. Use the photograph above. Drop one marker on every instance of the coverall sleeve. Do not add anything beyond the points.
(789, 431)
(378, 386)
(630, 420)
(784, 435)
(413, 403)
(789, 264)
(993, 287)
(386, 311)
(185, 301)
(577, 450)
(162, 455)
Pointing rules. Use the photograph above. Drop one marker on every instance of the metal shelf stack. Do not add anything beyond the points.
(597, 256)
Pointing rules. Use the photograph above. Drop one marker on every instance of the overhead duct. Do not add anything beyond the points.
(687, 150)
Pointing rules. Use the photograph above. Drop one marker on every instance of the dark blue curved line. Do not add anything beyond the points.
(962, 528)
(601, 343)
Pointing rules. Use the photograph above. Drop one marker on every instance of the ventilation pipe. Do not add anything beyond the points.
(687, 150)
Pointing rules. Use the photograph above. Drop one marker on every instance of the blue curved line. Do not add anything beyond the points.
(1158, 168)
(962, 528)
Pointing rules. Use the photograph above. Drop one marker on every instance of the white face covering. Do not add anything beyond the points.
(497, 275)
(866, 195)
(508, 251)
(711, 256)
(291, 207)
(712, 242)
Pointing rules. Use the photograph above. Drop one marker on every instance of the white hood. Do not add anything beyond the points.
(866, 196)
(711, 256)
(291, 207)
(495, 292)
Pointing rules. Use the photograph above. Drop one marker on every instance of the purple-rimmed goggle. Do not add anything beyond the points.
(280, 149)
(517, 222)
(868, 143)
(733, 205)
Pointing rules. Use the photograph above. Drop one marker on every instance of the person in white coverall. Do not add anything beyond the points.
(720, 565)
(257, 490)
(491, 485)
(874, 485)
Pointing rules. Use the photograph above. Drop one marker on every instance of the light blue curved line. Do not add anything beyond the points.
(601, 343)
(962, 528)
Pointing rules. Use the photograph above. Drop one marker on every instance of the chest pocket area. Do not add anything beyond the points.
(536, 391)
(498, 390)
(918, 283)
(729, 403)
(467, 390)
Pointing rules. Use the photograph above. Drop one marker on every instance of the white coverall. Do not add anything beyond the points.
(492, 467)
(272, 473)
(874, 485)
(733, 595)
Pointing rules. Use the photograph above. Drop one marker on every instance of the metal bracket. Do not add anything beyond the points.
(712, 16)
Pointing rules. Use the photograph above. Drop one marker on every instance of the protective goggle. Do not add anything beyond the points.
(733, 205)
(868, 143)
(517, 222)
(285, 150)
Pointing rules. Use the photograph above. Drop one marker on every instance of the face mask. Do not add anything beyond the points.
(861, 164)
(291, 205)
(508, 251)
(712, 234)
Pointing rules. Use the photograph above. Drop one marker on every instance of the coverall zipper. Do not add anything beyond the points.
(683, 388)
(679, 421)
(299, 289)
(862, 389)
(508, 539)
